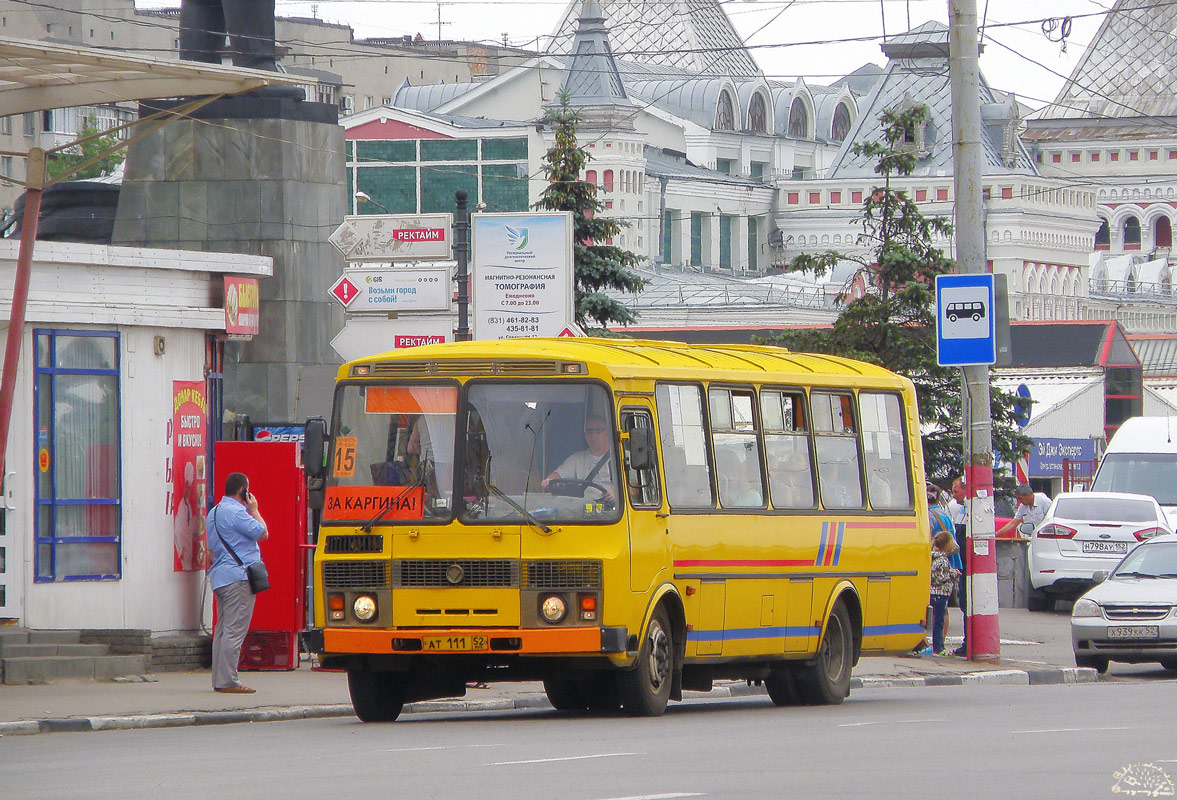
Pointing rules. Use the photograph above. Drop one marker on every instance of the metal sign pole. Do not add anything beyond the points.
(462, 254)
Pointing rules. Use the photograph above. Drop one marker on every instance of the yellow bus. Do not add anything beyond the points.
(622, 520)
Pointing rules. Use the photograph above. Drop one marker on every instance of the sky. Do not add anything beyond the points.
(1018, 56)
(775, 30)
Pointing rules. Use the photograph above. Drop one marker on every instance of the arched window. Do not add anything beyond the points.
(608, 180)
(840, 128)
(1103, 236)
(590, 176)
(1132, 234)
(725, 113)
(1163, 232)
(757, 114)
(798, 119)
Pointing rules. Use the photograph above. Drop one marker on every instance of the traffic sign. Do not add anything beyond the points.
(385, 290)
(964, 320)
(344, 290)
(368, 334)
(1023, 405)
(395, 237)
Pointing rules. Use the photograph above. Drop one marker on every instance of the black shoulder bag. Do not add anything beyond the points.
(259, 578)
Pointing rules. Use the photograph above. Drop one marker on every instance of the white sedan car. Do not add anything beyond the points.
(1131, 616)
(1083, 533)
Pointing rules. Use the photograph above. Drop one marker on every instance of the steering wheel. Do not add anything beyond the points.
(569, 487)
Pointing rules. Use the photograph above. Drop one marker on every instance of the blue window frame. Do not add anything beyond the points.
(77, 421)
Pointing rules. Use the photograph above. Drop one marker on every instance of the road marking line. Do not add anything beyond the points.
(890, 722)
(438, 747)
(657, 796)
(1075, 730)
(565, 758)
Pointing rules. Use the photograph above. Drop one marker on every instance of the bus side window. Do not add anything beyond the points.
(889, 483)
(683, 433)
(641, 485)
(836, 441)
(737, 447)
(787, 449)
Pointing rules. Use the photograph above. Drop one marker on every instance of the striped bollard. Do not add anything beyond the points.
(982, 625)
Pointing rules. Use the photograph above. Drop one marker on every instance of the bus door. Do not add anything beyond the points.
(648, 536)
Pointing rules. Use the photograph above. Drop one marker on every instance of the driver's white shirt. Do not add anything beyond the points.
(578, 466)
(1036, 513)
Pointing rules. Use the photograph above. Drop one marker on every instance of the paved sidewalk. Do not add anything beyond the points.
(1035, 649)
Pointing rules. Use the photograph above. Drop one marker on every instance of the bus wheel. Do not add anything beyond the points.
(600, 692)
(375, 696)
(564, 695)
(645, 689)
(827, 680)
(782, 686)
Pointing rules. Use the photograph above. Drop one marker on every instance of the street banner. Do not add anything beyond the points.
(384, 290)
(522, 275)
(187, 430)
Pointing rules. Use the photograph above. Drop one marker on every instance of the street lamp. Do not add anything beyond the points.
(364, 197)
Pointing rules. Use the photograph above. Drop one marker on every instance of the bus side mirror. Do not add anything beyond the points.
(641, 448)
(314, 447)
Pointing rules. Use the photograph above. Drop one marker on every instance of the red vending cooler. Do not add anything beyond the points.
(276, 479)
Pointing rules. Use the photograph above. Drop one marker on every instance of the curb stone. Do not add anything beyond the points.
(1012, 677)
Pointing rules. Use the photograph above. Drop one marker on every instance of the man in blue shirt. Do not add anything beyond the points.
(235, 521)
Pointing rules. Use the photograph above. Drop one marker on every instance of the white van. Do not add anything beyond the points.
(1142, 459)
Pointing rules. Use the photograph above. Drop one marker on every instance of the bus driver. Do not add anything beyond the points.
(594, 464)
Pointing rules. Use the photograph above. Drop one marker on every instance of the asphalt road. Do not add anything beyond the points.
(1065, 741)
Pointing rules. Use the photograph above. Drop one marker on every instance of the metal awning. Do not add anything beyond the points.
(42, 75)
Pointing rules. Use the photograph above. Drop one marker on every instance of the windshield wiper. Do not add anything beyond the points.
(419, 481)
(1136, 575)
(531, 518)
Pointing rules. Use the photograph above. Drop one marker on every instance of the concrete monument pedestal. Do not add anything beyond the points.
(263, 176)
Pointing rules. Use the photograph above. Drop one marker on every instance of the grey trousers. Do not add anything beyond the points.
(234, 611)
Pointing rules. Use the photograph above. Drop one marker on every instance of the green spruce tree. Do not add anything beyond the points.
(599, 266)
(893, 323)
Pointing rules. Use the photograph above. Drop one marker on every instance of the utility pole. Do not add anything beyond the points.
(982, 630)
(462, 256)
(439, 22)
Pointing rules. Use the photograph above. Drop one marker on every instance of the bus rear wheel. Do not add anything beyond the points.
(782, 686)
(564, 695)
(827, 680)
(645, 689)
(375, 696)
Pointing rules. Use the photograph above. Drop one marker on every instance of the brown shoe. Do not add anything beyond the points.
(238, 689)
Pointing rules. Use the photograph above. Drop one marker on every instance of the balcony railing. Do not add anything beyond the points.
(1132, 291)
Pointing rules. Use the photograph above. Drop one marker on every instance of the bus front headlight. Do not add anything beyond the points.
(553, 608)
(364, 608)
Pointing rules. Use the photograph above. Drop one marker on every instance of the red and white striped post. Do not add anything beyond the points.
(982, 627)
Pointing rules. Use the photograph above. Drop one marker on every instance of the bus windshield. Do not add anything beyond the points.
(1153, 474)
(539, 450)
(394, 444)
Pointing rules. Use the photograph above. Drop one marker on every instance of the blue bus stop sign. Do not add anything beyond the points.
(964, 320)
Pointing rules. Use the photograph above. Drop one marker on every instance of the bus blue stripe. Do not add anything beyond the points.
(751, 633)
(838, 550)
(821, 549)
(892, 630)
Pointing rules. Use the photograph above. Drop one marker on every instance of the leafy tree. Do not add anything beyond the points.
(63, 161)
(893, 323)
(599, 266)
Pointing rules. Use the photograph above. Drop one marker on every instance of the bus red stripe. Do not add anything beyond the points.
(743, 563)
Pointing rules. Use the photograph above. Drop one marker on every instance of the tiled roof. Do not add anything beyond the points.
(923, 80)
(695, 35)
(1129, 67)
(1158, 354)
(590, 74)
